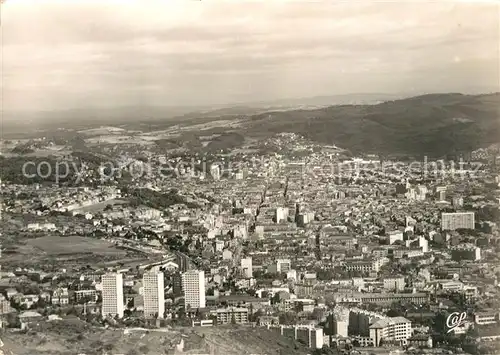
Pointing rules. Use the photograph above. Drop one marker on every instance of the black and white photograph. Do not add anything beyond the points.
(245, 177)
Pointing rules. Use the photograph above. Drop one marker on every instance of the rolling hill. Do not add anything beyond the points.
(434, 125)
(75, 337)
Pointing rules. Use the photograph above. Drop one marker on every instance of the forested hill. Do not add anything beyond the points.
(435, 125)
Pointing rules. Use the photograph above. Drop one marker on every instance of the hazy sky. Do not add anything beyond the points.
(69, 53)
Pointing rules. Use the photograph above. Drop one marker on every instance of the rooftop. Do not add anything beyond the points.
(383, 323)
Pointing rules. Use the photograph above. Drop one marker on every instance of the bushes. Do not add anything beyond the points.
(158, 200)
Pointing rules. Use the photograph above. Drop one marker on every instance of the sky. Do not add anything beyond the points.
(68, 54)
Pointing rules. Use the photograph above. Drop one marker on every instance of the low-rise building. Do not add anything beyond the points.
(265, 321)
(29, 317)
(382, 299)
(60, 296)
(485, 317)
(466, 252)
(230, 315)
(420, 341)
(89, 296)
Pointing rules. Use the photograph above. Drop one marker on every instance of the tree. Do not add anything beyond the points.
(181, 314)
(13, 320)
(394, 313)
(276, 298)
(287, 318)
(317, 314)
(251, 315)
(108, 347)
(130, 303)
(72, 311)
(39, 304)
(213, 318)
(85, 299)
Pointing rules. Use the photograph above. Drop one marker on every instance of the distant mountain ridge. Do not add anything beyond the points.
(116, 115)
(330, 100)
(434, 125)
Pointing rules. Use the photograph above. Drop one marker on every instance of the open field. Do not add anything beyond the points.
(118, 139)
(175, 132)
(67, 252)
(53, 151)
(195, 126)
(102, 131)
(55, 245)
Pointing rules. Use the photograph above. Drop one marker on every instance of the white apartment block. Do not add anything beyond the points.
(457, 220)
(154, 294)
(394, 284)
(247, 267)
(193, 285)
(424, 244)
(112, 295)
(395, 236)
(340, 327)
(281, 214)
(215, 171)
(394, 329)
(311, 336)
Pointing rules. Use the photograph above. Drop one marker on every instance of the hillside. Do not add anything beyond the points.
(75, 337)
(433, 125)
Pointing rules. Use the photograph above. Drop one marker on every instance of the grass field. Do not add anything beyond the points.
(70, 252)
(56, 245)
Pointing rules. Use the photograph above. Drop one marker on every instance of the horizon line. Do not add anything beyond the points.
(242, 104)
